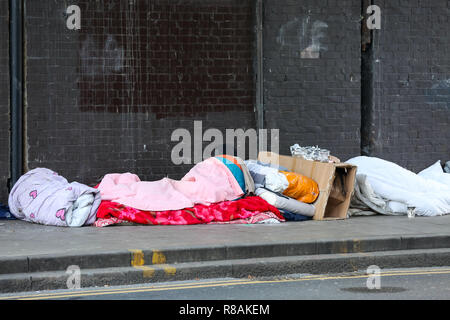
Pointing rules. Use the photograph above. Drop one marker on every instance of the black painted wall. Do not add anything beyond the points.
(411, 115)
(312, 72)
(4, 100)
(107, 98)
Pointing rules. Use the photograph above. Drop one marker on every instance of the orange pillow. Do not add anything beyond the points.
(301, 188)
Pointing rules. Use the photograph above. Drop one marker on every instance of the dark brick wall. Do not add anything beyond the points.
(411, 116)
(107, 98)
(4, 100)
(312, 73)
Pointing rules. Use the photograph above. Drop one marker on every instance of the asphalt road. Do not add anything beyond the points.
(393, 284)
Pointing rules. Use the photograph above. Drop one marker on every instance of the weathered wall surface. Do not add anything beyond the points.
(4, 100)
(107, 98)
(312, 73)
(411, 115)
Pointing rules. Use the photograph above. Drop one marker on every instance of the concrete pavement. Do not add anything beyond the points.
(36, 257)
(20, 238)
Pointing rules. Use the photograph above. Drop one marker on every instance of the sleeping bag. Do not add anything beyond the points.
(390, 189)
(42, 196)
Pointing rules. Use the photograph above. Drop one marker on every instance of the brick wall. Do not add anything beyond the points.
(107, 98)
(312, 73)
(411, 116)
(4, 100)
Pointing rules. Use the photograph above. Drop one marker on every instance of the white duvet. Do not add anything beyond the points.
(386, 188)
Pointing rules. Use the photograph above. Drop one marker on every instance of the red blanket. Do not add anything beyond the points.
(199, 214)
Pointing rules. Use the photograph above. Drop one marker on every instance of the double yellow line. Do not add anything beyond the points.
(158, 258)
(207, 284)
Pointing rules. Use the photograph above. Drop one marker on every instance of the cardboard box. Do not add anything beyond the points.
(336, 182)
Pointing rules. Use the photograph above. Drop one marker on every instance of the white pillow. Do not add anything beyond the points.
(286, 203)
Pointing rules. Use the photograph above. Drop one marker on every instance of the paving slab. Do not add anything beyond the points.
(19, 238)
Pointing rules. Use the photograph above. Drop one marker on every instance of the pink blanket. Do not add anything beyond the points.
(207, 182)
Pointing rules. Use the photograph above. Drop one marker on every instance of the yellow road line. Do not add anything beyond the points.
(139, 290)
(138, 258)
(147, 272)
(227, 283)
(158, 258)
(100, 291)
